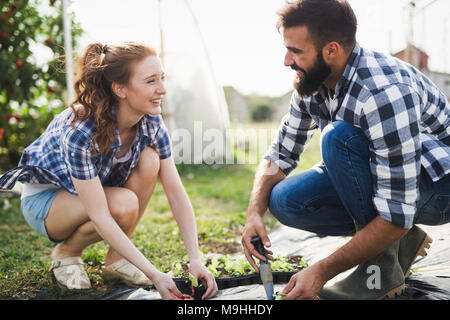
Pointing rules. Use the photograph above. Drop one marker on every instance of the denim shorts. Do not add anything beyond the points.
(35, 209)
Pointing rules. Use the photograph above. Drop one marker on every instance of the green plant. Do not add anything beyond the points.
(214, 265)
(288, 263)
(177, 270)
(261, 113)
(31, 91)
(279, 295)
(281, 263)
(194, 281)
(235, 267)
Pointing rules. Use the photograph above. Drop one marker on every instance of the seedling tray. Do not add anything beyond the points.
(185, 285)
(226, 279)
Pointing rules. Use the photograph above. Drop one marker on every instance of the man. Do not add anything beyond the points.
(385, 149)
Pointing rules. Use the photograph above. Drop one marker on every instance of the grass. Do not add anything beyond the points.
(219, 195)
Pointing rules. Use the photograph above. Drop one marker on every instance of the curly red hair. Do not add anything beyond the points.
(99, 67)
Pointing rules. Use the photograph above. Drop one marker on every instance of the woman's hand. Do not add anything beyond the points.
(166, 287)
(198, 270)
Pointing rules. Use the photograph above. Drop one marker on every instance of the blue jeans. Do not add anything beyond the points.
(333, 196)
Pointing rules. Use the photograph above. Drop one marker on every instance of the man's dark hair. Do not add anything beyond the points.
(326, 21)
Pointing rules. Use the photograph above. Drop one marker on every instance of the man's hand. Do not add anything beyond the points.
(254, 226)
(305, 284)
(365, 244)
(267, 175)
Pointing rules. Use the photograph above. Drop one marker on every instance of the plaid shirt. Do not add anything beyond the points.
(403, 114)
(62, 152)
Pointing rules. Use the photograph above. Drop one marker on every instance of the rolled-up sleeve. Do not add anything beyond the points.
(77, 154)
(294, 133)
(161, 140)
(390, 119)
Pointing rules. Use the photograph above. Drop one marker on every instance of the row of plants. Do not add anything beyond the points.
(227, 266)
(232, 272)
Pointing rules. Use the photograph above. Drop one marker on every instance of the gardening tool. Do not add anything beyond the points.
(264, 268)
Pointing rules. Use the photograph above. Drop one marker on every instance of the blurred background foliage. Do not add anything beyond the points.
(31, 91)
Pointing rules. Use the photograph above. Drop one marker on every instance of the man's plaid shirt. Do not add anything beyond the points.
(61, 153)
(403, 114)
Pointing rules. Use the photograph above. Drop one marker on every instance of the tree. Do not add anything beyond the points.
(261, 113)
(31, 91)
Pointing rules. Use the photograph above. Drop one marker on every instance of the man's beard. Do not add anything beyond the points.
(309, 82)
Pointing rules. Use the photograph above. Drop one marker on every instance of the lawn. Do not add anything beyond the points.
(219, 195)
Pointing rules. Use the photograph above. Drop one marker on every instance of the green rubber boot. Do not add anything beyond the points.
(412, 245)
(377, 278)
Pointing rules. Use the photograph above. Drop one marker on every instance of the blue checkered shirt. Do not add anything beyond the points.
(61, 153)
(403, 114)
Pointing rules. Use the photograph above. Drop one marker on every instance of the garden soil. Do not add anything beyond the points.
(430, 280)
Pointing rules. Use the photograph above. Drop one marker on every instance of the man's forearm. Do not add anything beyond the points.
(366, 244)
(266, 177)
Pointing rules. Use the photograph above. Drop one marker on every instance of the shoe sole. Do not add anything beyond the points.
(421, 252)
(63, 287)
(394, 293)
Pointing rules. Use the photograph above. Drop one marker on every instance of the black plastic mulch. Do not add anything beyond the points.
(430, 280)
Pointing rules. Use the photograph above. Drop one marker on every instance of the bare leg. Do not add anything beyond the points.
(142, 182)
(68, 220)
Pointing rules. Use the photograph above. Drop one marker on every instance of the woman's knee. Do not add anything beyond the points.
(149, 163)
(125, 207)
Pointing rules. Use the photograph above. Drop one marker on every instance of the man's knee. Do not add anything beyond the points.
(336, 135)
(337, 131)
(274, 199)
(278, 202)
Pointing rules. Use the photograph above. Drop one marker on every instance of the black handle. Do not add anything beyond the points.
(257, 243)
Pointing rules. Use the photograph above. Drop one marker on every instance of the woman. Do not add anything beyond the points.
(91, 174)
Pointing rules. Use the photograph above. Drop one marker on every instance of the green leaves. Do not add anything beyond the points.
(177, 270)
(214, 265)
(193, 280)
(279, 295)
(281, 264)
(31, 87)
(227, 266)
(236, 267)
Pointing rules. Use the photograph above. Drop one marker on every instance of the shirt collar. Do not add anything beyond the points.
(142, 132)
(350, 69)
(116, 143)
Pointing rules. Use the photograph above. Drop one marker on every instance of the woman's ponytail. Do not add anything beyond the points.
(99, 67)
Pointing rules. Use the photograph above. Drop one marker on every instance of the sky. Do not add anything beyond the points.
(245, 50)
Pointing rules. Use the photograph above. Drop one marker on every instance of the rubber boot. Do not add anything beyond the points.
(377, 278)
(412, 245)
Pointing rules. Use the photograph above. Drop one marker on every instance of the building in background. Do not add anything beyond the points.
(419, 59)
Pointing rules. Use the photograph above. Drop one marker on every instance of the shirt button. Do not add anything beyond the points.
(72, 154)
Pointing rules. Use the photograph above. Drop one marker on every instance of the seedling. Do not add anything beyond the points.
(279, 295)
(194, 281)
(197, 288)
(227, 266)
